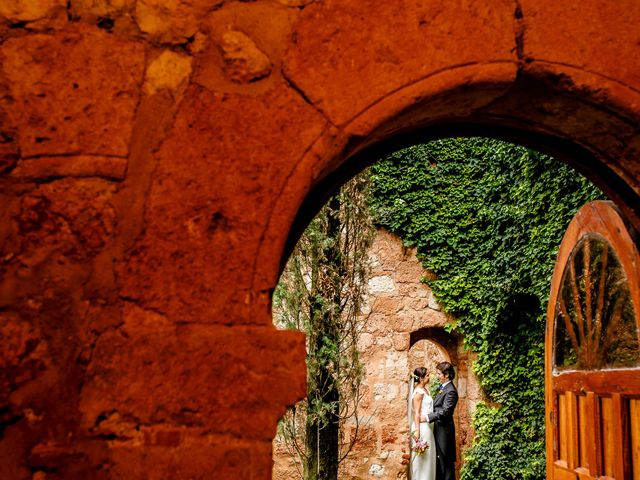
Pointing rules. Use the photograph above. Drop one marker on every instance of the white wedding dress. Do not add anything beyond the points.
(423, 467)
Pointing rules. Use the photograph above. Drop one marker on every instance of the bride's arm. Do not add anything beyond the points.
(417, 401)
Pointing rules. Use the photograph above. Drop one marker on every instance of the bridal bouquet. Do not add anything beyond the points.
(420, 446)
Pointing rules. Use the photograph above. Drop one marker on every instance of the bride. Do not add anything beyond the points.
(423, 466)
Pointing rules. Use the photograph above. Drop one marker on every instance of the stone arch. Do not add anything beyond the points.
(546, 105)
(563, 98)
(427, 352)
(336, 157)
(447, 342)
(466, 382)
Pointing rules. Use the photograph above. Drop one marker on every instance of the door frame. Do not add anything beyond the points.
(602, 218)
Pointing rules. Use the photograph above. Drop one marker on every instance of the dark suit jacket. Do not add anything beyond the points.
(445, 431)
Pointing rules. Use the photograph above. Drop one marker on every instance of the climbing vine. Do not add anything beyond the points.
(487, 218)
(320, 293)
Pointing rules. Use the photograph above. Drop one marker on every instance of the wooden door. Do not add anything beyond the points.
(592, 372)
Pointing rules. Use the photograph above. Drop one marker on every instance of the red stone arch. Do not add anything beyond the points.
(451, 347)
(336, 157)
(447, 342)
(533, 72)
(555, 87)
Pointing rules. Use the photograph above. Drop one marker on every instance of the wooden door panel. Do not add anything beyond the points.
(561, 473)
(584, 427)
(587, 436)
(584, 474)
(622, 467)
(572, 430)
(603, 382)
(608, 437)
(563, 430)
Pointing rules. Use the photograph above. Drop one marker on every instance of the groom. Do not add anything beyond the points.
(445, 431)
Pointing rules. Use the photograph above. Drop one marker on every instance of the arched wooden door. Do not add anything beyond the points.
(592, 351)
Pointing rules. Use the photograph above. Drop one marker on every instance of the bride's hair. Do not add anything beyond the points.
(419, 373)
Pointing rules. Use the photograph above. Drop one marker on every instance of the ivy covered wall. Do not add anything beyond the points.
(487, 218)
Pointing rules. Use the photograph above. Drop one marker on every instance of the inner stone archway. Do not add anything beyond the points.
(403, 329)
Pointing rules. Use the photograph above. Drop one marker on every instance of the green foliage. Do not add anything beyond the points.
(487, 218)
(434, 386)
(320, 293)
(506, 446)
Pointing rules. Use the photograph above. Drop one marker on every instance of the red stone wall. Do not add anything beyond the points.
(155, 155)
(398, 303)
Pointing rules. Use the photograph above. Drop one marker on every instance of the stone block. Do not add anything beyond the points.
(365, 340)
(244, 61)
(401, 341)
(374, 261)
(432, 302)
(462, 387)
(170, 70)
(73, 218)
(56, 107)
(365, 308)
(201, 229)
(430, 318)
(408, 270)
(381, 284)
(376, 470)
(195, 460)
(383, 342)
(269, 38)
(390, 434)
(172, 21)
(373, 323)
(590, 36)
(388, 304)
(403, 324)
(379, 390)
(30, 10)
(94, 9)
(71, 166)
(174, 375)
(416, 304)
(360, 47)
(391, 363)
(392, 392)
(422, 292)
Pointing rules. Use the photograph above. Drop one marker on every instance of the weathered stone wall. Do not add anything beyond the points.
(398, 304)
(156, 155)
